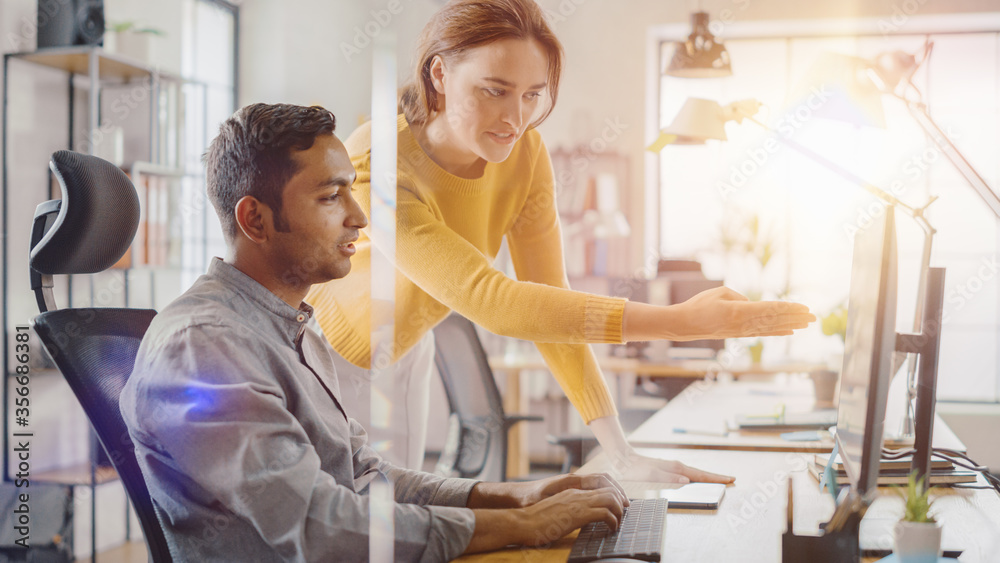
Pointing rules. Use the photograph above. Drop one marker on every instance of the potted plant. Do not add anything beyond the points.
(835, 323)
(127, 38)
(917, 537)
(825, 380)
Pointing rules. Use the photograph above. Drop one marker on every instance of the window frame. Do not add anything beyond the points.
(659, 37)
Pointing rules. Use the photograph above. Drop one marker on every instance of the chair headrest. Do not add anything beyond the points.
(97, 220)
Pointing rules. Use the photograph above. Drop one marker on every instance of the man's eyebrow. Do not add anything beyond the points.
(508, 84)
(336, 181)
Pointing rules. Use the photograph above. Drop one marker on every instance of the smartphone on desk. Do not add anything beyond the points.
(698, 496)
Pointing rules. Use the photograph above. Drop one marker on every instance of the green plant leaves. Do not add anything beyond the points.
(917, 500)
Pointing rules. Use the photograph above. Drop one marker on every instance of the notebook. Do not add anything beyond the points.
(887, 465)
(939, 477)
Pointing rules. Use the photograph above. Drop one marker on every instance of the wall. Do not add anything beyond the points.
(320, 52)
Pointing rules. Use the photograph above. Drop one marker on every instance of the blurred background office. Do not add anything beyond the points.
(747, 209)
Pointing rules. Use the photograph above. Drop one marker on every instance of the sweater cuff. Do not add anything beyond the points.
(451, 531)
(453, 492)
(603, 319)
(594, 403)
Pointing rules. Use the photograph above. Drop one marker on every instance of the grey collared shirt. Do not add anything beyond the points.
(235, 410)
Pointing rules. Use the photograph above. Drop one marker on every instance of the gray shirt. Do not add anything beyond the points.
(235, 410)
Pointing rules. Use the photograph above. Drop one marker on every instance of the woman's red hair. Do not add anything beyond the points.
(465, 24)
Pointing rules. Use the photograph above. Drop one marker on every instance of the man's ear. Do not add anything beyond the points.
(437, 74)
(254, 218)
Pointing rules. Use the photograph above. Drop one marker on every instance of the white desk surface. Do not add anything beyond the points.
(707, 406)
(748, 525)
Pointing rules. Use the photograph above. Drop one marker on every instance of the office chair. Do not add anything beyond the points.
(86, 232)
(477, 439)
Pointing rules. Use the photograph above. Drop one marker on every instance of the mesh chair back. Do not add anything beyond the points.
(480, 450)
(95, 350)
(97, 220)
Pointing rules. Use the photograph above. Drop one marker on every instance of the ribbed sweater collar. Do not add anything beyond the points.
(436, 177)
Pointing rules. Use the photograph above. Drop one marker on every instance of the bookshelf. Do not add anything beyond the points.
(119, 109)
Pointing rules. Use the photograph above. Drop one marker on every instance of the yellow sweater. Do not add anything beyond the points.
(448, 232)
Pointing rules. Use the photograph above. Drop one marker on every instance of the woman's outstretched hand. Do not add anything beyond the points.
(713, 314)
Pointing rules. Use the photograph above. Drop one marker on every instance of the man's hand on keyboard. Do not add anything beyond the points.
(558, 505)
(521, 495)
(534, 491)
(552, 518)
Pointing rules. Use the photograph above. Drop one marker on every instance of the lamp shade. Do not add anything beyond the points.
(698, 121)
(839, 87)
(701, 55)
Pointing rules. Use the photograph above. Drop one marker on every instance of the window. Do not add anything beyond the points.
(209, 63)
(809, 211)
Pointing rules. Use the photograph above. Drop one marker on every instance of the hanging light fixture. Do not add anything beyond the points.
(701, 55)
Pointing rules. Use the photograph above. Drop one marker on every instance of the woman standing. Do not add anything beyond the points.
(472, 170)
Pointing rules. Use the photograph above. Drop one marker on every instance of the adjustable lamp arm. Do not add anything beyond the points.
(892, 74)
(919, 216)
(920, 114)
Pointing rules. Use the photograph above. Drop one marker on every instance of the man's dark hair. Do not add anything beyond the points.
(252, 155)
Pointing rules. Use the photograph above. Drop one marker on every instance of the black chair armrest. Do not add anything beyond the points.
(577, 447)
(512, 419)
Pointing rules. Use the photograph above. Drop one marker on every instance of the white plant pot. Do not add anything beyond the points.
(138, 46)
(916, 542)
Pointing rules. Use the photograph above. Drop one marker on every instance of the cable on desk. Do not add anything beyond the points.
(955, 457)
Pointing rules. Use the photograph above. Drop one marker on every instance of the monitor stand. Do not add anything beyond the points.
(926, 345)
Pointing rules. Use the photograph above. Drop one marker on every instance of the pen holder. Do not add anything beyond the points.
(841, 546)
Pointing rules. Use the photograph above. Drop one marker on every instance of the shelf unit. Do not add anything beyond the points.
(102, 70)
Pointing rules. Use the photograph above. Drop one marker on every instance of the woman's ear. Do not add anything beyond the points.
(254, 218)
(437, 74)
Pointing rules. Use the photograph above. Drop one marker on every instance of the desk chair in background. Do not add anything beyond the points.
(476, 447)
(477, 437)
(86, 232)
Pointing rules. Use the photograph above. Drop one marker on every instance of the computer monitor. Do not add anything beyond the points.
(868, 350)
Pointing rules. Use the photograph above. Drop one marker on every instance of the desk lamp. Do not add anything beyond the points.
(887, 74)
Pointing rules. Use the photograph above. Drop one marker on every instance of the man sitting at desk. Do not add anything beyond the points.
(234, 403)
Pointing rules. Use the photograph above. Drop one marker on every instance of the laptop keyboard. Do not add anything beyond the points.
(639, 536)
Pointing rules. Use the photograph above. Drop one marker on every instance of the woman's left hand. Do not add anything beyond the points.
(636, 467)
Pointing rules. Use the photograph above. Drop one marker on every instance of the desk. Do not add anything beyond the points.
(747, 526)
(515, 401)
(708, 405)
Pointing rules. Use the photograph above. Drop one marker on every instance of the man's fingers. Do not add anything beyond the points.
(606, 480)
(605, 515)
(606, 500)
